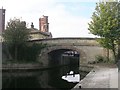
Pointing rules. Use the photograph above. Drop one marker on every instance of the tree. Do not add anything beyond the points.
(16, 35)
(105, 23)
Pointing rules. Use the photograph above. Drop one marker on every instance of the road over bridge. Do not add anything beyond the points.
(88, 49)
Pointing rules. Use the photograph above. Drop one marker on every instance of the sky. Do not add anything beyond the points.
(67, 18)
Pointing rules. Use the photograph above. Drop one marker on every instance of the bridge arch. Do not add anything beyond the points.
(88, 48)
(44, 56)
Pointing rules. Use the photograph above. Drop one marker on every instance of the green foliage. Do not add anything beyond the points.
(16, 35)
(105, 42)
(105, 20)
(101, 59)
(105, 23)
(28, 53)
(16, 32)
(31, 52)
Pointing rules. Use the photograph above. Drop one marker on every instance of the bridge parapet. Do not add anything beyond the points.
(69, 41)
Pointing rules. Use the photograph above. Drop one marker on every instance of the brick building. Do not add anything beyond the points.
(43, 31)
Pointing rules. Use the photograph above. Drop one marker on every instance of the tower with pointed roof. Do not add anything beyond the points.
(2, 20)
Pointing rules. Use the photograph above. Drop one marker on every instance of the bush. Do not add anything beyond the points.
(30, 53)
(99, 59)
(27, 53)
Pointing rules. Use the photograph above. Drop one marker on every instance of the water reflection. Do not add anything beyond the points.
(39, 79)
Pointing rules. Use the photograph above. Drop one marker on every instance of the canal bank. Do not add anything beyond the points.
(26, 66)
(18, 66)
(101, 76)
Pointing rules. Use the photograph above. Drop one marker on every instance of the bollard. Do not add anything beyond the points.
(80, 86)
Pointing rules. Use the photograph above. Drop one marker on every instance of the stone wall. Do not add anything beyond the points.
(88, 48)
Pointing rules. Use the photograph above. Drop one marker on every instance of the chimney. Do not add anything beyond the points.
(32, 26)
(43, 24)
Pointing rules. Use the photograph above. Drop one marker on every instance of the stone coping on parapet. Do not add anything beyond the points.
(81, 38)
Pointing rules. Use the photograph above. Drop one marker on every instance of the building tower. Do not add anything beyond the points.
(43, 24)
(2, 20)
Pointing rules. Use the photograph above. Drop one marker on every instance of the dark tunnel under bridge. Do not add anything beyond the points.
(63, 57)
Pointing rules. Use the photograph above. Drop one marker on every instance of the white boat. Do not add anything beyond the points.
(71, 77)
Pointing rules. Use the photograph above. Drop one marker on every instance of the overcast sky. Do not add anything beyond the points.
(67, 18)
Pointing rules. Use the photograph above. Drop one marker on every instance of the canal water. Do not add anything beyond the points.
(60, 77)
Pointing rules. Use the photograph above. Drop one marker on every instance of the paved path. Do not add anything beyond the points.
(100, 77)
(119, 74)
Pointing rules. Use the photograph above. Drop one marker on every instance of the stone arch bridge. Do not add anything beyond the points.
(88, 48)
